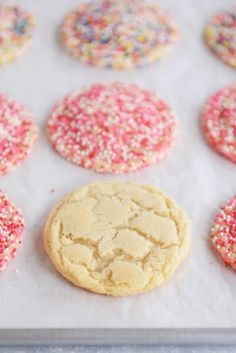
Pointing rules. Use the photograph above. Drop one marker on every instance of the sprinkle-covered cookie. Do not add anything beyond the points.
(219, 122)
(117, 238)
(16, 27)
(112, 128)
(17, 133)
(11, 230)
(118, 34)
(223, 233)
(220, 35)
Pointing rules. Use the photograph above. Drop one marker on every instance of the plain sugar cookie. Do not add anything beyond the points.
(118, 34)
(11, 230)
(220, 35)
(17, 133)
(223, 233)
(117, 238)
(16, 27)
(112, 128)
(219, 122)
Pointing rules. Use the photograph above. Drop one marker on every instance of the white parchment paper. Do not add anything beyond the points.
(203, 291)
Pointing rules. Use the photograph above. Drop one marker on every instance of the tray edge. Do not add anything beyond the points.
(116, 336)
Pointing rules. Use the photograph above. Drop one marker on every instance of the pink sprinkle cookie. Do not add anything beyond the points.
(118, 34)
(220, 35)
(219, 122)
(11, 230)
(223, 233)
(112, 128)
(17, 133)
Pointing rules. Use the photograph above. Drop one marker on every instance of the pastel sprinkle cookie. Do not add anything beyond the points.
(219, 122)
(16, 27)
(118, 34)
(223, 233)
(17, 133)
(112, 128)
(117, 238)
(220, 35)
(11, 230)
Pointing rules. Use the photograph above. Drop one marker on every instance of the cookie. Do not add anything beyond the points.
(220, 35)
(219, 122)
(117, 238)
(118, 34)
(11, 230)
(16, 27)
(223, 233)
(112, 128)
(17, 133)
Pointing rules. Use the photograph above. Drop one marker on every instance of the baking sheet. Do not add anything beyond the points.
(117, 336)
(202, 293)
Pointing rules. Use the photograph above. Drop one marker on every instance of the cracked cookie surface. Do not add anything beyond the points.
(117, 238)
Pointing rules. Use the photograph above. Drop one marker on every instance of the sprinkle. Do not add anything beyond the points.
(16, 27)
(17, 133)
(223, 233)
(220, 36)
(11, 230)
(112, 128)
(118, 34)
(219, 122)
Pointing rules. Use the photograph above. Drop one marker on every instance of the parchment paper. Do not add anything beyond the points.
(203, 291)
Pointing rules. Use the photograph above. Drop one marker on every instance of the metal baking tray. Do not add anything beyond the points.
(117, 336)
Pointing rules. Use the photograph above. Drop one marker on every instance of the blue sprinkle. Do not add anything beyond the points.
(20, 27)
(105, 40)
